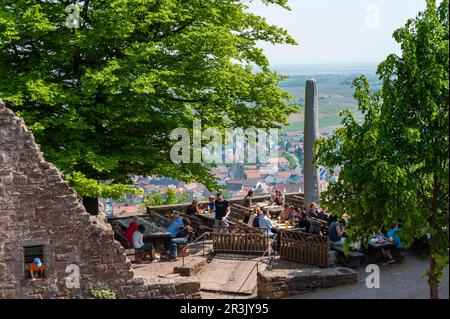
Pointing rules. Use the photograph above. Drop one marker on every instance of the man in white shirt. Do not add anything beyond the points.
(266, 223)
(138, 242)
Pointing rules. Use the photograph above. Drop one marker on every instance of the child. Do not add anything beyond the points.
(36, 269)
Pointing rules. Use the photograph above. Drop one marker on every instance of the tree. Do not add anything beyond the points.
(103, 98)
(395, 164)
(171, 198)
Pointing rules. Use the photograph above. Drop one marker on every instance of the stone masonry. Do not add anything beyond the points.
(37, 207)
(282, 283)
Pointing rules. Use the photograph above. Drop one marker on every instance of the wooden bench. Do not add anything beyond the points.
(352, 259)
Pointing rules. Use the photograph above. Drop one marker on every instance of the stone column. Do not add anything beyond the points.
(310, 134)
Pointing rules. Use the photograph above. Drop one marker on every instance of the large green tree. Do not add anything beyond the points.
(103, 98)
(395, 164)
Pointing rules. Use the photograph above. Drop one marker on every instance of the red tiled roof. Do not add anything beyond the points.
(277, 160)
(252, 174)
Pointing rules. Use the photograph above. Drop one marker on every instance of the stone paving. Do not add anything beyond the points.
(397, 281)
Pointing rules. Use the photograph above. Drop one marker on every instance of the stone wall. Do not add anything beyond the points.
(165, 210)
(37, 207)
(281, 283)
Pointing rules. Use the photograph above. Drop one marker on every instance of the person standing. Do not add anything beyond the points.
(248, 199)
(222, 212)
(249, 204)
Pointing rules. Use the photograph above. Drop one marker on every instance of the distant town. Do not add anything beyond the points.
(284, 173)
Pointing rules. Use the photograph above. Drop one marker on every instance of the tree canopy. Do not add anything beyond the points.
(102, 99)
(395, 164)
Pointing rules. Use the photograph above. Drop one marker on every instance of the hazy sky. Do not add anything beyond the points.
(337, 31)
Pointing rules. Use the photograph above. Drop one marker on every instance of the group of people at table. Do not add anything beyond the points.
(301, 218)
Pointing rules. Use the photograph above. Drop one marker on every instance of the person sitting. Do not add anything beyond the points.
(284, 215)
(211, 204)
(252, 217)
(313, 210)
(322, 215)
(392, 236)
(279, 198)
(186, 234)
(36, 269)
(259, 215)
(132, 227)
(337, 232)
(291, 212)
(138, 242)
(303, 222)
(177, 224)
(265, 222)
(331, 219)
(194, 208)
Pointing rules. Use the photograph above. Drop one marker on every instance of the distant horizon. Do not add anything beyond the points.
(323, 68)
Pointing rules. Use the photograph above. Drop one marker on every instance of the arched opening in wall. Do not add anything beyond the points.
(34, 261)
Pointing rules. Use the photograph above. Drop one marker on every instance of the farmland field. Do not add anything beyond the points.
(334, 88)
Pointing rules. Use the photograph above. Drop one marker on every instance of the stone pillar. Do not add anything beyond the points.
(310, 134)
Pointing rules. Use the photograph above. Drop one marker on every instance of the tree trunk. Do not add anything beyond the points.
(432, 277)
(91, 205)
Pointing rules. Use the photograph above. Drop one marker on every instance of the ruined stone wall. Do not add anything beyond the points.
(37, 207)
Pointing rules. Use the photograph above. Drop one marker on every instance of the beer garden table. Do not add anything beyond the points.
(274, 210)
(151, 229)
(385, 244)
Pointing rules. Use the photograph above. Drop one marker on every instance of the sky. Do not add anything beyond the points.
(337, 31)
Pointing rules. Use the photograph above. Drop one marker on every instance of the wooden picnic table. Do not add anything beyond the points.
(208, 219)
(274, 210)
(151, 229)
(282, 225)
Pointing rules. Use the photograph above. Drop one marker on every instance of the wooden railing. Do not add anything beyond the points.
(240, 240)
(304, 248)
(238, 212)
(296, 200)
(319, 225)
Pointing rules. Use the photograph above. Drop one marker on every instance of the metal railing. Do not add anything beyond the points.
(202, 236)
(269, 257)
